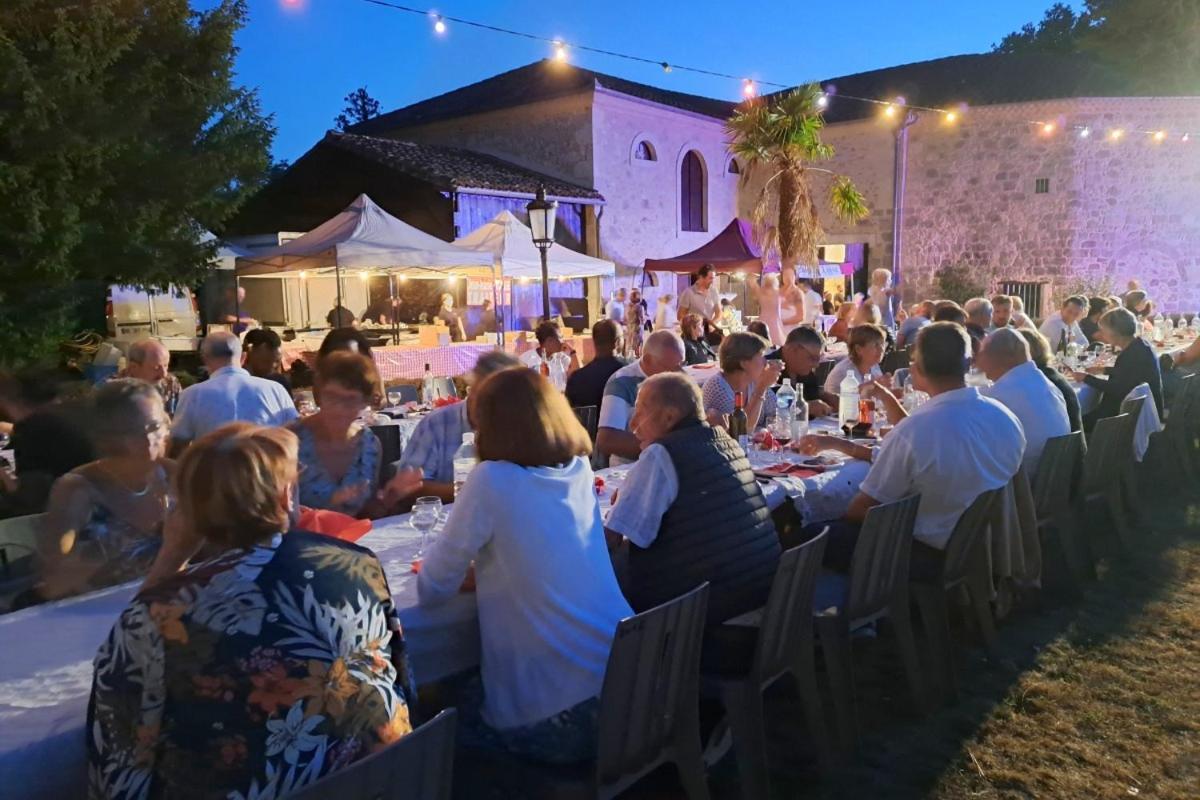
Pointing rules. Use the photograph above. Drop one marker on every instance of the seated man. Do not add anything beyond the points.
(556, 360)
(1024, 390)
(148, 360)
(979, 313)
(661, 352)
(1062, 327)
(262, 359)
(908, 329)
(801, 354)
(585, 386)
(950, 450)
(691, 508)
(427, 465)
(1002, 311)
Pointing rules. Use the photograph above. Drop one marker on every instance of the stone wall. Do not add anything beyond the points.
(1113, 212)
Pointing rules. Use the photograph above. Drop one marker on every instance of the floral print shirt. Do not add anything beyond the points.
(317, 486)
(249, 675)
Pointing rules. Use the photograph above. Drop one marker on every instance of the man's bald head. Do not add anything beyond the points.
(674, 391)
(1002, 350)
(147, 360)
(220, 349)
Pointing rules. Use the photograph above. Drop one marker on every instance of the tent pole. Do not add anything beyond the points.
(392, 308)
(496, 305)
(337, 274)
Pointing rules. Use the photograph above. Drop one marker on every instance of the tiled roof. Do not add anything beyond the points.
(982, 79)
(450, 168)
(541, 80)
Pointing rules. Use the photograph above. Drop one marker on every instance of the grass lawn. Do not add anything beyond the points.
(1096, 700)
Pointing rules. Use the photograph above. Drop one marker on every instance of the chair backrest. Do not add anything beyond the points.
(1106, 447)
(418, 767)
(651, 685)
(19, 550)
(446, 387)
(968, 534)
(1182, 406)
(408, 392)
(389, 440)
(897, 358)
(1057, 472)
(589, 418)
(787, 616)
(881, 556)
(1133, 406)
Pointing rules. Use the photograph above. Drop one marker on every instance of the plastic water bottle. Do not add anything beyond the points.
(848, 400)
(464, 461)
(428, 387)
(785, 400)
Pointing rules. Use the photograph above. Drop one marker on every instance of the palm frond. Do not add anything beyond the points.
(847, 201)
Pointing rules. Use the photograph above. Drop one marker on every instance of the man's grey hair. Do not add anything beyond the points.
(979, 309)
(674, 390)
(140, 349)
(1007, 346)
(663, 343)
(221, 346)
(492, 362)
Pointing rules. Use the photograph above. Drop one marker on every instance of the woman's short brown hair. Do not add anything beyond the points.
(690, 320)
(229, 483)
(738, 348)
(520, 417)
(355, 372)
(863, 335)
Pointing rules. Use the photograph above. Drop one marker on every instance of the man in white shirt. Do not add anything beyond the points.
(661, 352)
(231, 394)
(701, 297)
(1024, 390)
(814, 305)
(615, 310)
(953, 448)
(1066, 320)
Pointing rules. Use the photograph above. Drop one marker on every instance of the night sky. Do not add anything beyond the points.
(306, 55)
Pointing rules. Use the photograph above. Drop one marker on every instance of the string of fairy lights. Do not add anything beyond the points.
(891, 108)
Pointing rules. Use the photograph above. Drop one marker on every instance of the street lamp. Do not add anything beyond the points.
(541, 223)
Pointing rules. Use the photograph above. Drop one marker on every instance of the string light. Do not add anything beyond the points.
(666, 67)
(1160, 136)
(822, 100)
(889, 110)
(1186, 137)
(1085, 133)
(951, 117)
(1048, 128)
(748, 88)
(1115, 134)
(303, 274)
(439, 24)
(560, 51)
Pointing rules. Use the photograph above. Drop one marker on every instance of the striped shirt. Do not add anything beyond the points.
(620, 393)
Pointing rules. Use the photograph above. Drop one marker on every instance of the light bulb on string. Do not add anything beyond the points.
(1186, 137)
(439, 25)
(1085, 133)
(1160, 136)
(951, 117)
(1047, 128)
(889, 110)
(666, 67)
(748, 88)
(1115, 134)
(560, 51)
(822, 100)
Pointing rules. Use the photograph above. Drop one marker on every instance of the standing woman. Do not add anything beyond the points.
(880, 293)
(105, 519)
(548, 601)
(770, 307)
(665, 319)
(635, 324)
(791, 299)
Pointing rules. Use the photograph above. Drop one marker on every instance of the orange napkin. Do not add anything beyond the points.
(790, 470)
(332, 523)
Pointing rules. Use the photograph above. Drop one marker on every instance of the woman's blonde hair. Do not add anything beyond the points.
(1039, 346)
(689, 321)
(881, 276)
(520, 417)
(869, 309)
(737, 348)
(229, 483)
(861, 336)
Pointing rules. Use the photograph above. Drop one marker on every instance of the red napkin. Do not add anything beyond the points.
(332, 523)
(790, 470)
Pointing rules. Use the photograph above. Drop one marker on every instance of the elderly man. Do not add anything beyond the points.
(801, 354)
(147, 360)
(691, 508)
(953, 448)
(231, 394)
(1024, 390)
(585, 386)
(427, 465)
(979, 316)
(661, 352)
(1002, 311)
(1063, 326)
(701, 297)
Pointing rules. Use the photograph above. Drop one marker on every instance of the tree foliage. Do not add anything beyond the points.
(1155, 44)
(780, 138)
(122, 137)
(360, 107)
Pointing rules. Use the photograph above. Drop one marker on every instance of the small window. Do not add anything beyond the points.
(733, 168)
(644, 151)
(1041, 186)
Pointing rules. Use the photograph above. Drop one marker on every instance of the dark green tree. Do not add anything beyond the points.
(122, 137)
(1057, 32)
(360, 107)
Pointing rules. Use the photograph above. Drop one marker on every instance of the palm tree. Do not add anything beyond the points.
(782, 136)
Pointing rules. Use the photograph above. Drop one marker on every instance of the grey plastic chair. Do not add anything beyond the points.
(784, 644)
(1182, 430)
(965, 563)
(1058, 515)
(876, 587)
(407, 392)
(418, 767)
(1110, 450)
(20, 556)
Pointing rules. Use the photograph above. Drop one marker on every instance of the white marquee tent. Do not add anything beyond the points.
(510, 242)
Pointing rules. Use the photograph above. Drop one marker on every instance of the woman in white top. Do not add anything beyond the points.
(880, 293)
(770, 307)
(665, 318)
(866, 346)
(548, 601)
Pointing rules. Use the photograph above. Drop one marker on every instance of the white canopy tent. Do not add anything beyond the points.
(510, 242)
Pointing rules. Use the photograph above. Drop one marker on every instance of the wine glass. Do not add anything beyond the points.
(425, 514)
(393, 397)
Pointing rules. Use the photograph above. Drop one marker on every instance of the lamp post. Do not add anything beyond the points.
(541, 223)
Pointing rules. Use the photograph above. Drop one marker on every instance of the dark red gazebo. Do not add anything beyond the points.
(731, 250)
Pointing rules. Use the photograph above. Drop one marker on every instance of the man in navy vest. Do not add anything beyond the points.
(691, 508)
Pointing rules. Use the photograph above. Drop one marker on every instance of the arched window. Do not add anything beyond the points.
(644, 151)
(733, 168)
(691, 193)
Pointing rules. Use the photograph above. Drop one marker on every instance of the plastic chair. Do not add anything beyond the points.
(20, 559)
(407, 393)
(418, 767)
(1180, 432)
(784, 644)
(1129, 474)
(589, 417)
(875, 587)
(1110, 449)
(1057, 515)
(964, 563)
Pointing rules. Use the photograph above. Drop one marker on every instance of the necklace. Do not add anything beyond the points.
(145, 490)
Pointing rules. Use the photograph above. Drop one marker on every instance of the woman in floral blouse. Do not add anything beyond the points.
(259, 671)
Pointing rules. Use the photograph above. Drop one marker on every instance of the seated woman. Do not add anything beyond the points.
(840, 329)
(340, 459)
(1136, 364)
(866, 347)
(259, 671)
(105, 519)
(548, 600)
(745, 369)
(696, 349)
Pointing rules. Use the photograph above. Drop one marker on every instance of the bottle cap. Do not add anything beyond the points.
(469, 437)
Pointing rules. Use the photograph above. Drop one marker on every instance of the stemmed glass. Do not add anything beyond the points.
(425, 514)
(393, 398)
